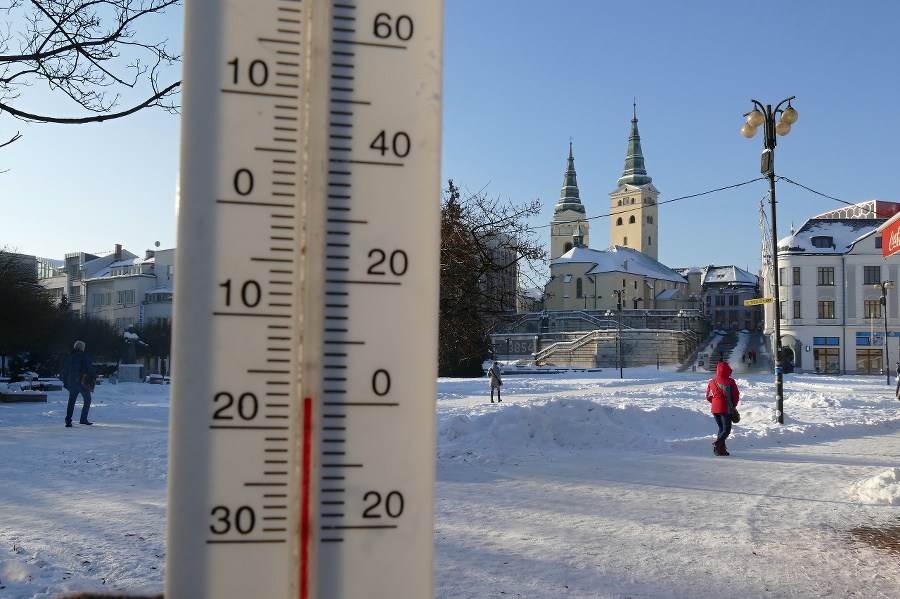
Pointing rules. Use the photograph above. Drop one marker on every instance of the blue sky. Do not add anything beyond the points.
(522, 78)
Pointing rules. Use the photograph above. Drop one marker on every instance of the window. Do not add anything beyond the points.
(796, 309)
(781, 279)
(826, 340)
(823, 242)
(625, 241)
(631, 220)
(878, 242)
(796, 274)
(871, 275)
(578, 288)
(826, 360)
(649, 240)
(125, 297)
(649, 220)
(153, 298)
(567, 247)
(619, 221)
(825, 275)
(568, 279)
(826, 309)
(123, 323)
(868, 361)
(867, 338)
(720, 300)
(734, 300)
(872, 309)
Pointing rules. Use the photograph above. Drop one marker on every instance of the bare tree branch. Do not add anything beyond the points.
(88, 51)
(12, 139)
(152, 101)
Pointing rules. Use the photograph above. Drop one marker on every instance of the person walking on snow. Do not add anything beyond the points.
(723, 395)
(77, 364)
(496, 379)
(897, 389)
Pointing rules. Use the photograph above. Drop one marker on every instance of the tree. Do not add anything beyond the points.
(86, 51)
(158, 338)
(27, 312)
(488, 251)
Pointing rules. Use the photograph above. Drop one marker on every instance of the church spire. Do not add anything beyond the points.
(635, 173)
(568, 197)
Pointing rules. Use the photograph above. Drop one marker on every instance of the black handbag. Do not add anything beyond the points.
(735, 415)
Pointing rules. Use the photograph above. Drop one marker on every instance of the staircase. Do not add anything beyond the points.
(727, 344)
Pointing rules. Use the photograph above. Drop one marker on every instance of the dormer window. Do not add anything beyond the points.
(823, 242)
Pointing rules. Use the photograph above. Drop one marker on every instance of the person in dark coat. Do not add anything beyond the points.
(723, 395)
(78, 364)
(495, 375)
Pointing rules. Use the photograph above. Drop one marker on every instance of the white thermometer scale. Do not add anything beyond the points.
(305, 328)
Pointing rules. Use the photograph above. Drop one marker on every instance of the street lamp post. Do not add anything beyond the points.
(657, 351)
(884, 286)
(765, 115)
(620, 299)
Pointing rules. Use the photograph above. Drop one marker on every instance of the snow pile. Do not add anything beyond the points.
(564, 423)
(883, 488)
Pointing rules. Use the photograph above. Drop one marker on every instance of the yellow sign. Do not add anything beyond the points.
(762, 300)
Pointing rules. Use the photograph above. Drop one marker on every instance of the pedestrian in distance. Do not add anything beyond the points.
(496, 380)
(723, 395)
(897, 389)
(78, 377)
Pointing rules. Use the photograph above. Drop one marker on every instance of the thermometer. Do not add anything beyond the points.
(305, 322)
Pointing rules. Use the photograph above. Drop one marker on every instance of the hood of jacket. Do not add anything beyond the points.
(723, 372)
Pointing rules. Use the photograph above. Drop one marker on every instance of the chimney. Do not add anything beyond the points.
(118, 252)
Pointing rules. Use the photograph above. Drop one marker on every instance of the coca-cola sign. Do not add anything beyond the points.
(890, 239)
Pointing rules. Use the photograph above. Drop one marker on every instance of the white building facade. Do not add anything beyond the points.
(133, 292)
(831, 274)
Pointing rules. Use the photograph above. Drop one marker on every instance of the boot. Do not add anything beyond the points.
(715, 448)
(722, 449)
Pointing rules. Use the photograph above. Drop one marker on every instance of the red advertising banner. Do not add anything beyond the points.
(890, 239)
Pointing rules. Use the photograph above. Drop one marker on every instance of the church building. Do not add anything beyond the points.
(628, 274)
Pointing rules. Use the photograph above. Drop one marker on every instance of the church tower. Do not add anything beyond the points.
(633, 222)
(569, 226)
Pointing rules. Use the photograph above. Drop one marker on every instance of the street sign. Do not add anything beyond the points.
(762, 300)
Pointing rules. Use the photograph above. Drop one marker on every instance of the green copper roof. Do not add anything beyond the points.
(635, 173)
(568, 197)
(578, 236)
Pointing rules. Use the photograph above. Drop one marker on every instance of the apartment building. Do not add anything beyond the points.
(834, 309)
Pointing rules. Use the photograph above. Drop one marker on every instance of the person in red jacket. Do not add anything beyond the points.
(723, 395)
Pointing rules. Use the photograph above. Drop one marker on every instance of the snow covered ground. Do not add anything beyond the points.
(579, 485)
